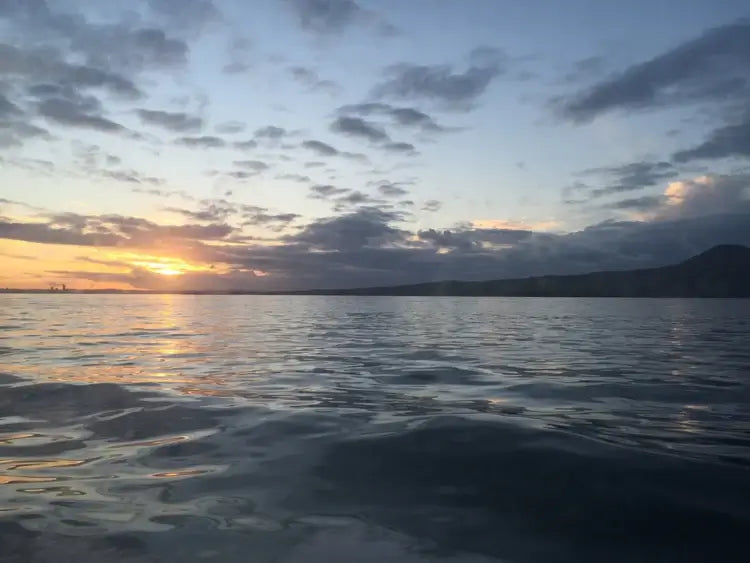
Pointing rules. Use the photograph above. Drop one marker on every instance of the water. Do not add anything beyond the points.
(304, 429)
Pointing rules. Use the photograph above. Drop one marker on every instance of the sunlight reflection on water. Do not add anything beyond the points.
(232, 419)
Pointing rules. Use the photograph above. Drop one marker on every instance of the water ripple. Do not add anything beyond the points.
(193, 428)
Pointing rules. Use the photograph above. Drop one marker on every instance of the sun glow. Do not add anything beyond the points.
(165, 266)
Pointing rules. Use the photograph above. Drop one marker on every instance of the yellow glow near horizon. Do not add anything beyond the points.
(162, 265)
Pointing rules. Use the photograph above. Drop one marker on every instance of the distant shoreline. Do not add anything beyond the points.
(723, 271)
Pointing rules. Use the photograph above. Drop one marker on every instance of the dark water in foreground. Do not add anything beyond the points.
(306, 429)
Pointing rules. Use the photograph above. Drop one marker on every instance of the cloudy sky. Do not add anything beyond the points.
(275, 144)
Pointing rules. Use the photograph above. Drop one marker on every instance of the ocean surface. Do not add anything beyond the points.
(356, 429)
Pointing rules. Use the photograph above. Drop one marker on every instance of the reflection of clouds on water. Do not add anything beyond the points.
(184, 425)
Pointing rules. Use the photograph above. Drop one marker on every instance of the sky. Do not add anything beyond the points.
(293, 144)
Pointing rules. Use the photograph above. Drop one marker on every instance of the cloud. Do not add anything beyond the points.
(643, 203)
(468, 239)
(432, 206)
(327, 17)
(41, 67)
(357, 199)
(179, 122)
(628, 177)
(192, 15)
(320, 148)
(270, 132)
(14, 133)
(406, 148)
(359, 229)
(728, 141)
(8, 108)
(245, 145)
(206, 142)
(260, 216)
(357, 127)
(714, 66)
(368, 246)
(325, 191)
(440, 83)
(704, 195)
(130, 176)
(43, 233)
(18, 256)
(253, 165)
(294, 178)
(392, 190)
(71, 114)
(230, 127)
(403, 116)
(309, 78)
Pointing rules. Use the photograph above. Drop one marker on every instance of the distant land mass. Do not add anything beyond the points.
(722, 271)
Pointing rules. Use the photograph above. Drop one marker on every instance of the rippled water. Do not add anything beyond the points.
(303, 429)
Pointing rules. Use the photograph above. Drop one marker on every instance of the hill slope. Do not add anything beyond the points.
(722, 271)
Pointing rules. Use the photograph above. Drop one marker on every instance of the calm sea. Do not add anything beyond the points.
(355, 429)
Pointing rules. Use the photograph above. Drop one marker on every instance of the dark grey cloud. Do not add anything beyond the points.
(260, 216)
(71, 114)
(46, 234)
(270, 132)
(327, 17)
(131, 177)
(245, 145)
(319, 147)
(158, 192)
(357, 127)
(365, 227)
(354, 199)
(643, 203)
(355, 157)
(211, 213)
(711, 194)
(405, 148)
(728, 141)
(432, 205)
(441, 83)
(586, 69)
(193, 15)
(41, 67)
(324, 191)
(314, 164)
(403, 116)
(714, 66)
(253, 165)
(14, 132)
(230, 127)
(628, 177)
(125, 46)
(467, 239)
(174, 121)
(116, 230)
(310, 79)
(8, 108)
(219, 211)
(205, 141)
(294, 178)
(392, 190)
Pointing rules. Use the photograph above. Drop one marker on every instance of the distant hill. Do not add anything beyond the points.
(722, 271)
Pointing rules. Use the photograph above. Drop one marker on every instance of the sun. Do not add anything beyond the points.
(161, 265)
